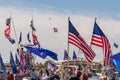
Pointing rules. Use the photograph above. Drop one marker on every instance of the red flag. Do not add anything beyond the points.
(35, 41)
(7, 35)
(22, 59)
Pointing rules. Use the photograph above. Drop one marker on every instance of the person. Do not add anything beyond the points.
(56, 76)
(85, 77)
(10, 76)
(76, 77)
(33, 75)
(39, 75)
(45, 75)
(104, 76)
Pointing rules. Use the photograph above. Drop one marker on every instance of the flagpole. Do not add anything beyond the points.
(33, 42)
(19, 47)
(13, 26)
(68, 41)
(68, 36)
(85, 68)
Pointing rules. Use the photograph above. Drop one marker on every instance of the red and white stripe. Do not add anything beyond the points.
(79, 42)
(102, 41)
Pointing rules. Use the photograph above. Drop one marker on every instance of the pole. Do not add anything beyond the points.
(19, 47)
(68, 41)
(68, 36)
(13, 26)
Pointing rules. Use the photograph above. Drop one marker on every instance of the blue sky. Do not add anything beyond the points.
(81, 12)
(100, 7)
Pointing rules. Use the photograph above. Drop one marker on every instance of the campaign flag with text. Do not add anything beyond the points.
(41, 52)
(115, 59)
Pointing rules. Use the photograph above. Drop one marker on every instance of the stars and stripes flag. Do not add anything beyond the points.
(99, 39)
(75, 38)
(35, 41)
(7, 31)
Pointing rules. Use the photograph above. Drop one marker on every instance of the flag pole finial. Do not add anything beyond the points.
(95, 19)
(69, 18)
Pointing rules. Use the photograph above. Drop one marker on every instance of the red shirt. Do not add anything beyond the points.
(85, 77)
(10, 77)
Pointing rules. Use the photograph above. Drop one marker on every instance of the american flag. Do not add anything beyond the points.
(7, 31)
(75, 39)
(35, 41)
(99, 39)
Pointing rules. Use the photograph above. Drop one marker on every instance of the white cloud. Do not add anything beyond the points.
(56, 42)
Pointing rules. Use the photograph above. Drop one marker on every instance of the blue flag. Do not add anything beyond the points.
(49, 53)
(28, 37)
(36, 51)
(16, 60)
(12, 62)
(20, 38)
(41, 52)
(65, 55)
(115, 59)
(2, 66)
(74, 55)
